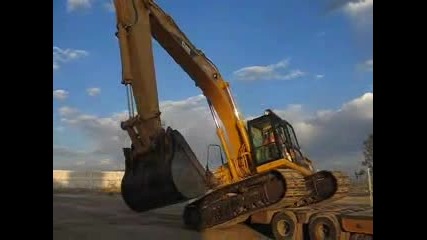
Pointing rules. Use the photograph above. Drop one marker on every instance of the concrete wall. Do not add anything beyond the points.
(107, 181)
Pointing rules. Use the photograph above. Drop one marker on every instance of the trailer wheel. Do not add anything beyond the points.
(324, 228)
(283, 226)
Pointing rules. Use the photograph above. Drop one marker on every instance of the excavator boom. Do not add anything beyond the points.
(207, 77)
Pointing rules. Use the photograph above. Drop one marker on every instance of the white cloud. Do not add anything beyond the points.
(93, 91)
(80, 163)
(107, 138)
(60, 94)
(59, 129)
(109, 6)
(73, 5)
(104, 136)
(72, 159)
(277, 71)
(360, 11)
(67, 111)
(293, 74)
(367, 65)
(106, 161)
(356, 7)
(65, 55)
(319, 76)
(332, 138)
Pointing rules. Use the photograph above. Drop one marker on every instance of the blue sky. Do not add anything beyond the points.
(277, 54)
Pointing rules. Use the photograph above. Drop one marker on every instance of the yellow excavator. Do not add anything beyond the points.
(264, 165)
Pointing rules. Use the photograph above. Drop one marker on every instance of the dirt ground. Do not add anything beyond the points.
(101, 216)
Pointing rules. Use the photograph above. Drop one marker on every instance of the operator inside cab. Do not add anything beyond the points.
(268, 137)
(269, 147)
(273, 148)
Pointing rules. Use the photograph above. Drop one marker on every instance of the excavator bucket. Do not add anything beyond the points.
(166, 176)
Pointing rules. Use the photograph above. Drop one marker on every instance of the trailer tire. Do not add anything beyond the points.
(283, 226)
(324, 228)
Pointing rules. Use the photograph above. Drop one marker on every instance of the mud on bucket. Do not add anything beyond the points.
(168, 175)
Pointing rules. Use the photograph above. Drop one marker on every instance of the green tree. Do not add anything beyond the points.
(368, 152)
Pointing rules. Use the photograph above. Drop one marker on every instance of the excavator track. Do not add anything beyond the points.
(325, 187)
(280, 188)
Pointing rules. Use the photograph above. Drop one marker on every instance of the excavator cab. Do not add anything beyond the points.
(273, 138)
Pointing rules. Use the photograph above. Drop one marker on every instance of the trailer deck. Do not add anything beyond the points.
(337, 220)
